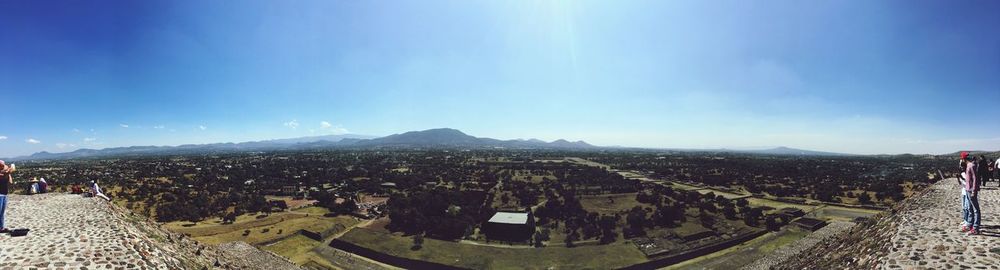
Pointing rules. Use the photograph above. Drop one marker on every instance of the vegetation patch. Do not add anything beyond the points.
(486, 257)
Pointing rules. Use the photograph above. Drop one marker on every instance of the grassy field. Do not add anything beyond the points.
(526, 175)
(740, 255)
(610, 203)
(789, 236)
(724, 194)
(843, 213)
(778, 205)
(483, 257)
(691, 227)
(214, 232)
(295, 248)
(214, 226)
(258, 235)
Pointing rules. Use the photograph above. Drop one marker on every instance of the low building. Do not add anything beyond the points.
(510, 226)
(811, 224)
(289, 190)
(791, 212)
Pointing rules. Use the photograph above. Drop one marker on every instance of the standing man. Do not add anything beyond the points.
(5, 182)
(984, 169)
(972, 186)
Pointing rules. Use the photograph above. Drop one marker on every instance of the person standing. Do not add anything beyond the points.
(963, 183)
(972, 186)
(983, 169)
(6, 180)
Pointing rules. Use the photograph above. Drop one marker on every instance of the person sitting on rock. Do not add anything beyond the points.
(33, 188)
(43, 187)
(6, 180)
(94, 188)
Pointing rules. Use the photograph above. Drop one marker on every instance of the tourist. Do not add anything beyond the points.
(983, 169)
(966, 217)
(96, 190)
(33, 188)
(972, 186)
(6, 180)
(43, 186)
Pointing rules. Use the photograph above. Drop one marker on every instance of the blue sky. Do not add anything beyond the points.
(845, 76)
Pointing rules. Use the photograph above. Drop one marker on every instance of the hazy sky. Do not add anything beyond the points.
(846, 76)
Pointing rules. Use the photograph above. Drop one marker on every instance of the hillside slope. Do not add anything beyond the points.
(76, 232)
(920, 232)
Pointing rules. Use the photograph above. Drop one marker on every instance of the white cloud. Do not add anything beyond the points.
(3, 137)
(64, 145)
(202, 127)
(76, 130)
(123, 125)
(294, 124)
(340, 130)
(159, 127)
(336, 129)
(32, 141)
(89, 139)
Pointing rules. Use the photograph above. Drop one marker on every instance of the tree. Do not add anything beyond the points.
(742, 203)
(729, 211)
(607, 225)
(538, 239)
(772, 223)
(636, 219)
(706, 219)
(418, 242)
(864, 198)
(751, 216)
(570, 238)
(229, 218)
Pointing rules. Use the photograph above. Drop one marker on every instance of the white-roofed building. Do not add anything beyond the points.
(509, 218)
(510, 226)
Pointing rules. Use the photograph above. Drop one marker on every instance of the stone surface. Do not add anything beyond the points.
(922, 232)
(787, 251)
(72, 232)
(928, 235)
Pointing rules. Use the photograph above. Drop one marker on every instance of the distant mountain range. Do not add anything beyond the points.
(781, 150)
(431, 138)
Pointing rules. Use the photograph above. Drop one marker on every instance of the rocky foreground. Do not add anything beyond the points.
(922, 232)
(72, 232)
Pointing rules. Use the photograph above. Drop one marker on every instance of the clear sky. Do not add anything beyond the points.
(846, 76)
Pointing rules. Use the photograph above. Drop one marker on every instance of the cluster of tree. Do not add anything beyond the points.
(578, 224)
(439, 213)
(328, 200)
(197, 206)
(670, 206)
(819, 177)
